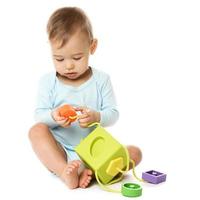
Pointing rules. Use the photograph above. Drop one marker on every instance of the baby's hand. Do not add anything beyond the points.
(62, 121)
(87, 116)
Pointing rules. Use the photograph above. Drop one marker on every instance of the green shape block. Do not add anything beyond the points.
(131, 190)
(102, 153)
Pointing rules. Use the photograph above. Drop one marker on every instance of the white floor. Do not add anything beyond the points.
(154, 65)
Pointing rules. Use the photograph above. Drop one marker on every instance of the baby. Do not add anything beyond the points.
(73, 82)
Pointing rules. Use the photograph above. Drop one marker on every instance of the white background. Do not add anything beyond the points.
(151, 49)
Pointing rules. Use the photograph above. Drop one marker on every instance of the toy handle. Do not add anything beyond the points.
(93, 124)
(105, 187)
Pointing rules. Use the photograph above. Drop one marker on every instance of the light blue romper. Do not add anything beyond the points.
(96, 93)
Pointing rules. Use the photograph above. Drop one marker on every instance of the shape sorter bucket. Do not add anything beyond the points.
(103, 154)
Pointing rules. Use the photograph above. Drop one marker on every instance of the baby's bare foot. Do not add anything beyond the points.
(85, 178)
(70, 174)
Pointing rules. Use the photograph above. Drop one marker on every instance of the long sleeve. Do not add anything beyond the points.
(96, 93)
(44, 102)
(109, 113)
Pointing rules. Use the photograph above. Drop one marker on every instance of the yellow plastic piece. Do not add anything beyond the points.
(114, 166)
(72, 117)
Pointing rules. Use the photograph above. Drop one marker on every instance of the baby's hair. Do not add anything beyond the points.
(64, 22)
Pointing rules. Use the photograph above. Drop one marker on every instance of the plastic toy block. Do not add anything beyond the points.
(131, 190)
(68, 111)
(102, 153)
(154, 177)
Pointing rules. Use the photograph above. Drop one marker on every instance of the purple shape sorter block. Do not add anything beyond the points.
(154, 177)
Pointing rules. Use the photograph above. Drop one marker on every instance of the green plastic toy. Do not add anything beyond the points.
(108, 159)
(131, 190)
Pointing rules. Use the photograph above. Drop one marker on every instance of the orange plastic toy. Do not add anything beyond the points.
(68, 112)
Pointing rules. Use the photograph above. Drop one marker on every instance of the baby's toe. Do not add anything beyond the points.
(69, 170)
(76, 163)
(87, 181)
(89, 172)
(85, 185)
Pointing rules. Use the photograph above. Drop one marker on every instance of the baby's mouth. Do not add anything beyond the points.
(71, 75)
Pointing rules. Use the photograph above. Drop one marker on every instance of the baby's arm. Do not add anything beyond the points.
(44, 106)
(108, 113)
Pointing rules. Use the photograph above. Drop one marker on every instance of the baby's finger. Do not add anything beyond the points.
(57, 112)
(80, 108)
(82, 116)
(61, 121)
(76, 163)
(84, 125)
(67, 123)
(86, 111)
(84, 120)
(59, 118)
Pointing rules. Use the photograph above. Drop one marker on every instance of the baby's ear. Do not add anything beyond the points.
(93, 46)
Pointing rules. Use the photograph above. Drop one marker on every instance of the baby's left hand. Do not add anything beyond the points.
(87, 116)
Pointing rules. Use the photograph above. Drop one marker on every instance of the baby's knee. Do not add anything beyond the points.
(36, 130)
(135, 153)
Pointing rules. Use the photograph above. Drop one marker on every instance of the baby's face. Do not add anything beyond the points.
(71, 61)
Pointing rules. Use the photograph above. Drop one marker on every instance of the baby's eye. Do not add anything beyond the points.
(59, 60)
(78, 58)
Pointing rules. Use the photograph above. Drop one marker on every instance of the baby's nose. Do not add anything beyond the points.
(69, 66)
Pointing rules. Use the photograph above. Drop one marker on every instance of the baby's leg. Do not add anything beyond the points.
(52, 155)
(135, 154)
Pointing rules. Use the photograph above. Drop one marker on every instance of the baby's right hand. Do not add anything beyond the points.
(62, 121)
